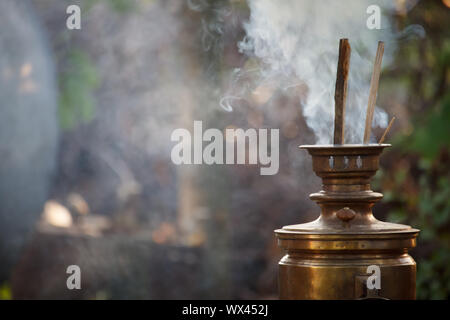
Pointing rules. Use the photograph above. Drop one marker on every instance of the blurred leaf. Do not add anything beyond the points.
(430, 138)
(77, 83)
(5, 292)
(397, 216)
(120, 6)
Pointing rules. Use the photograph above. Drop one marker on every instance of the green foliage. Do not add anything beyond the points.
(417, 183)
(429, 139)
(120, 6)
(5, 292)
(79, 78)
(77, 84)
(422, 198)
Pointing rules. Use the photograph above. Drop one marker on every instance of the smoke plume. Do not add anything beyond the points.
(295, 43)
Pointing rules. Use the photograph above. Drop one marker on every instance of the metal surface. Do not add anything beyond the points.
(328, 257)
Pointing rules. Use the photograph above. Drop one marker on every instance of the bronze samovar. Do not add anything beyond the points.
(336, 255)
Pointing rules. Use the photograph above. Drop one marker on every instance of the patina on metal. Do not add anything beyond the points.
(329, 257)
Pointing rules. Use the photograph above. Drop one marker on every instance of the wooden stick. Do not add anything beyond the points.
(340, 93)
(373, 91)
(386, 131)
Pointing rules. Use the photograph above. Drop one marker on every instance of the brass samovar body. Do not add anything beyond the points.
(334, 256)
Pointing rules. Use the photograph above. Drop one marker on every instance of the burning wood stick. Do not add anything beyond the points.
(373, 91)
(387, 130)
(340, 93)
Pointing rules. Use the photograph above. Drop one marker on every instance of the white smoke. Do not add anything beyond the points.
(296, 42)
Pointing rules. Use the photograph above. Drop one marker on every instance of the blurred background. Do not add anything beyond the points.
(86, 176)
